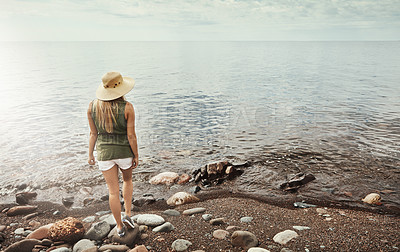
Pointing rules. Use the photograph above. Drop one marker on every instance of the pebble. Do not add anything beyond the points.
(63, 249)
(166, 227)
(171, 212)
(285, 236)
(34, 224)
(181, 245)
(46, 242)
(30, 216)
(232, 228)
(89, 219)
(114, 248)
(244, 239)
(194, 211)
(300, 228)
(286, 250)
(326, 215)
(56, 213)
(100, 213)
(220, 234)
(83, 245)
(98, 231)
(206, 217)
(140, 248)
(40, 233)
(321, 211)
(246, 219)
(322, 246)
(2, 228)
(144, 236)
(21, 210)
(27, 232)
(150, 220)
(217, 221)
(14, 224)
(68, 201)
(19, 231)
(257, 249)
(143, 228)
(328, 219)
(303, 205)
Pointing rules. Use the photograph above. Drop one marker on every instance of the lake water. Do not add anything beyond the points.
(326, 108)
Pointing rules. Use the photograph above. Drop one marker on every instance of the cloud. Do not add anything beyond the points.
(216, 15)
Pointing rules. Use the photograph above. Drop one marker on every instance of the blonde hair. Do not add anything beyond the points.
(105, 113)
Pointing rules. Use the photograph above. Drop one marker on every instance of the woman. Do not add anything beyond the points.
(112, 126)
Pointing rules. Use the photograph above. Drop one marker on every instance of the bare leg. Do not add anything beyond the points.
(111, 177)
(127, 190)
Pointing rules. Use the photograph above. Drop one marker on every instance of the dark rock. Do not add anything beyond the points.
(88, 201)
(68, 201)
(23, 198)
(21, 210)
(217, 221)
(2, 237)
(195, 189)
(128, 239)
(46, 242)
(98, 231)
(244, 239)
(104, 198)
(68, 230)
(296, 182)
(25, 245)
(22, 186)
(303, 205)
(145, 200)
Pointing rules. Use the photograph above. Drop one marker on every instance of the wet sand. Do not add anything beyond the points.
(347, 230)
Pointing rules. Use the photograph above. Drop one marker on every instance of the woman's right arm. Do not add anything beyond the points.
(93, 135)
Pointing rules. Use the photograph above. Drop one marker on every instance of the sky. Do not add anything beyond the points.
(199, 20)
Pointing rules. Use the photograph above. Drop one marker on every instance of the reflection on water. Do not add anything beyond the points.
(202, 101)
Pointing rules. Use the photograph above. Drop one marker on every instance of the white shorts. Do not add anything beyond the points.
(122, 163)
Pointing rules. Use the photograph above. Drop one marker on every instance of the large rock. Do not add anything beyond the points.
(151, 220)
(167, 178)
(83, 245)
(69, 230)
(23, 246)
(40, 233)
(114, 248)
(128, 239)
(21, 210)
(166, 227)
(98, 231)
(181, 245)
(181, 198)
(285, 236)
(109, 218)
(244, 239)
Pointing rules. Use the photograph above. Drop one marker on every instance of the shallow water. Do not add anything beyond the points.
(327, 108)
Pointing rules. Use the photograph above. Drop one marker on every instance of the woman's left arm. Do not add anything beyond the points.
(93, 135)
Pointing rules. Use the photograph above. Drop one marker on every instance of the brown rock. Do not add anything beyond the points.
(23, 198)
(128, 239)
(2, 228)
(40, 233)
(140, 248)
(69, 230)
(21, 210)
(212, 169)
(244, 239)
(25, 245)
(114, 248)
(220, 234)
(181, 198)
(232, 228)
(184, 178)
(30, 216)
(34, 224)
(348, 194)
(167, 178)
(144, 236)
(217, 221)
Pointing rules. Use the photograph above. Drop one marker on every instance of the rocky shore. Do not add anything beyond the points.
(212, 224)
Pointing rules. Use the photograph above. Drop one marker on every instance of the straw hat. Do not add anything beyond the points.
(114, 86)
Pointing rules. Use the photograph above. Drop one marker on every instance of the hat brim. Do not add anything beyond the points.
(108, 94)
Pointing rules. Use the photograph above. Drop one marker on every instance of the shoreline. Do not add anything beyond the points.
(269, 219)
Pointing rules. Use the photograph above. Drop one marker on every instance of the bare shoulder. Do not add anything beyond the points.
(129, 107)
(90, 107)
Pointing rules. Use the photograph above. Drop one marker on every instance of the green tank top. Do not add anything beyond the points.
(113, 145)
